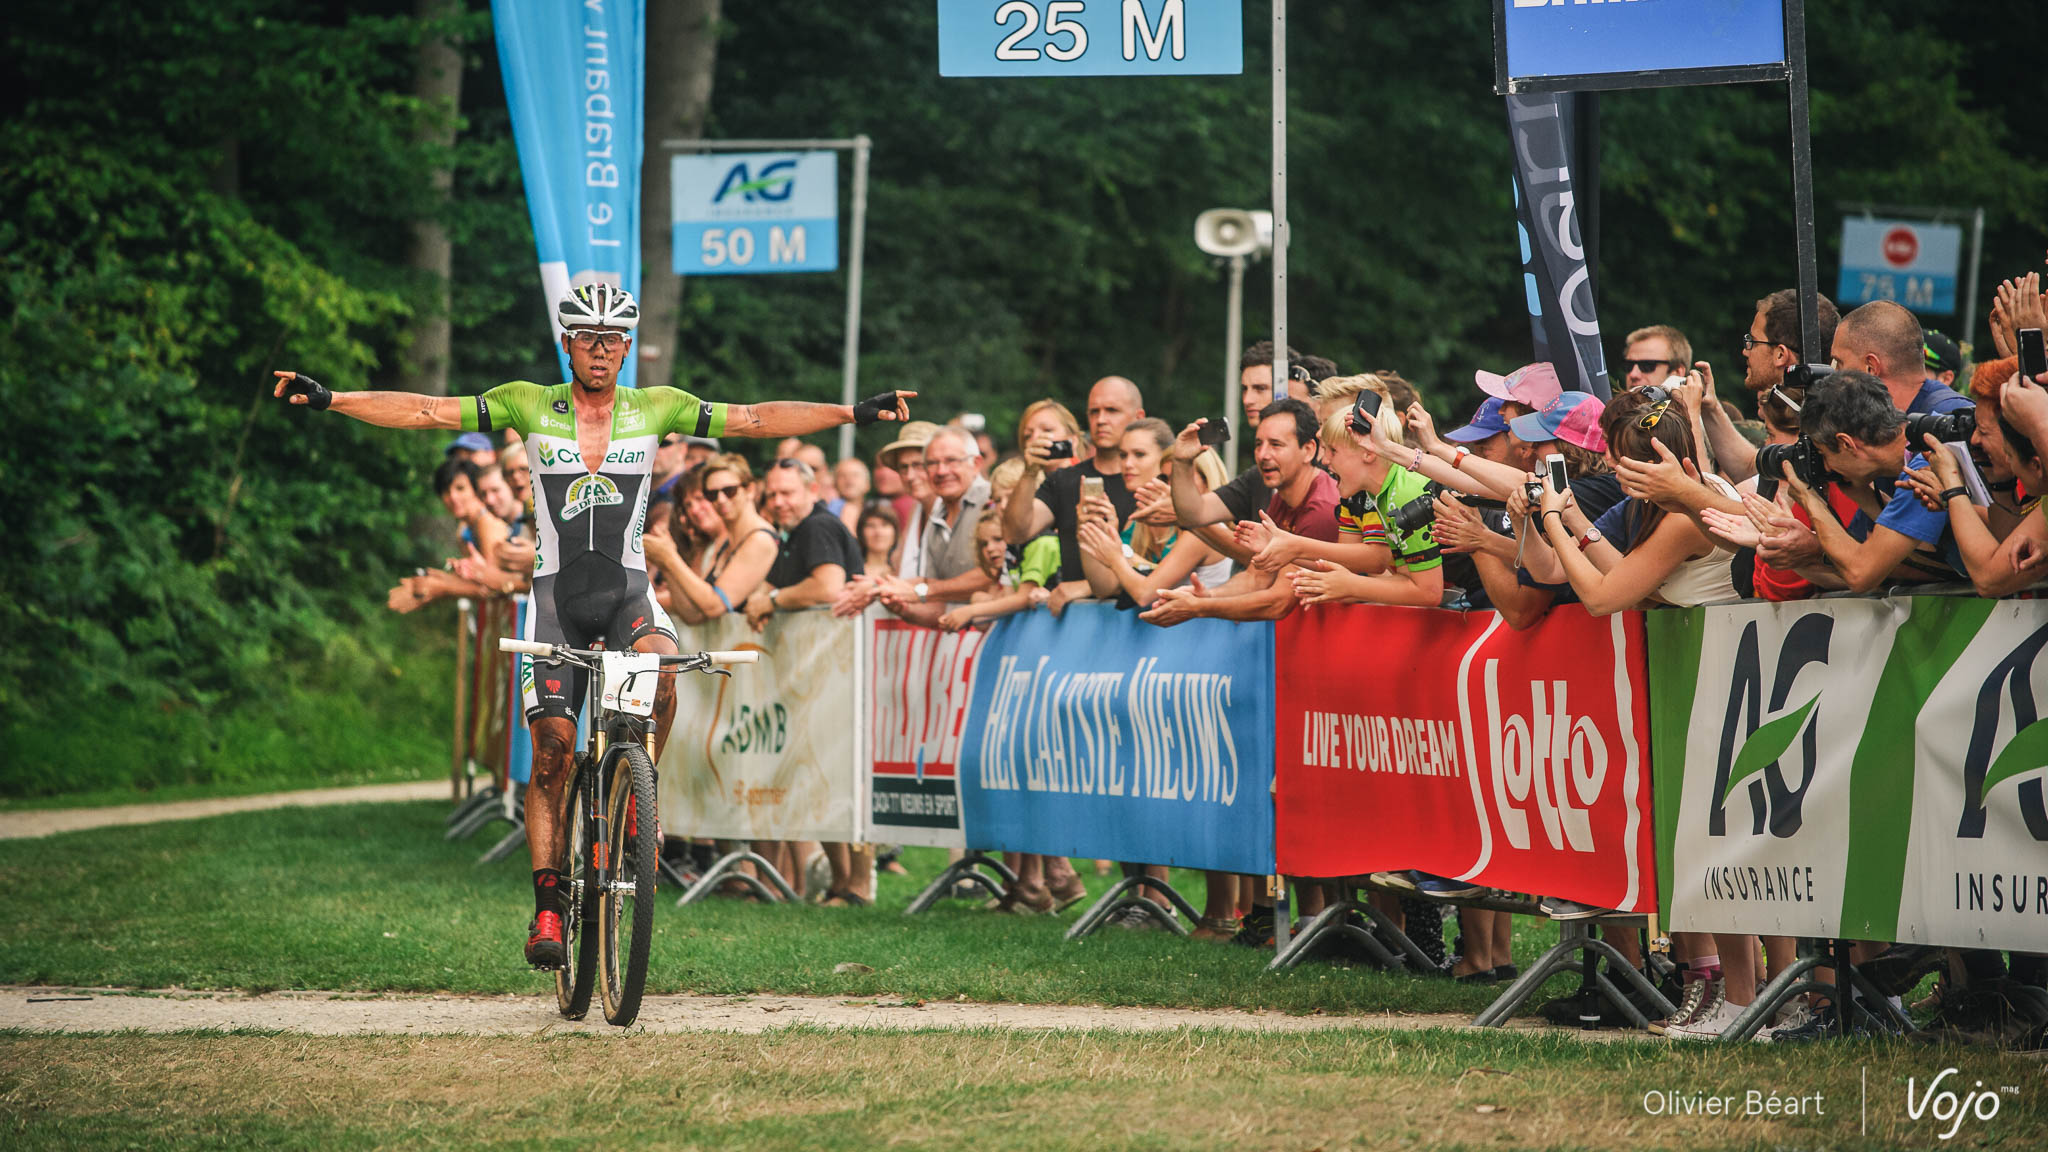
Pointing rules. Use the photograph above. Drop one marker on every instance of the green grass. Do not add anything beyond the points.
(814, 1089)
(369, 897)
(374, 708)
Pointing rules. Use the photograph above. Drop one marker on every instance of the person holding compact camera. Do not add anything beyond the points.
(1048, 498)
(1859, 436)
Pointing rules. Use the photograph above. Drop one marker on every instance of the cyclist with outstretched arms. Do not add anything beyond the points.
(591, 447)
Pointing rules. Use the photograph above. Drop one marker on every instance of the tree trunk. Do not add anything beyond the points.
(682, 54)
(437, 85)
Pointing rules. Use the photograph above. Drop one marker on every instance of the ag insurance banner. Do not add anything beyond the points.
(1864, 768)
(1096, 734)
(772, 752)
(917, 689)
(1450, 743)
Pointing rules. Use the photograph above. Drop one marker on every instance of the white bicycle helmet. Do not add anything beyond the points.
(598, 305)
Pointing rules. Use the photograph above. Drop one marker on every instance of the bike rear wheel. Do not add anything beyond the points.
(575, 982)
(626, 912)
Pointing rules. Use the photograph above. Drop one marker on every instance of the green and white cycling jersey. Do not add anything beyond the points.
(582, 513)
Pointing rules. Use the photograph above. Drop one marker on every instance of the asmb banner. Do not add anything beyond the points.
(1450, 743)
(573, 77)
(1095, 734)
(918, 684)
(772, 752)
(1864, 768)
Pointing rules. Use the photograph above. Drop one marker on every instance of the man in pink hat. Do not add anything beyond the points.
(1524, 390)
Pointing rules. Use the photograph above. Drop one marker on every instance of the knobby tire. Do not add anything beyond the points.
(575, 983)
(627, 914)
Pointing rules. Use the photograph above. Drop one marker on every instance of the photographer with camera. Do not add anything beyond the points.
(1049, 498)
(2003, 545)
(1860, 436)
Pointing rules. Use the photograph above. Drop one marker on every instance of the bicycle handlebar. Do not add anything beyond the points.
(548, 651)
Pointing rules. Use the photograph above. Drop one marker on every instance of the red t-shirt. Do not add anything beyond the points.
(1316, 518)
(1780, 585)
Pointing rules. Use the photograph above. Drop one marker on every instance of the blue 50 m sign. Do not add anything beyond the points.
(754, 212)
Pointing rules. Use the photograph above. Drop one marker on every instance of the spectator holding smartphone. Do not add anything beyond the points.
(2005, 548)
(1142, 559)
(1050, 498)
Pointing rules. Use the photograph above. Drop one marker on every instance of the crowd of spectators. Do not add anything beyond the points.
(1673, 495)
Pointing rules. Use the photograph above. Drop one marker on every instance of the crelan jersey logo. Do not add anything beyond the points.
(589, 492)
(569, 455)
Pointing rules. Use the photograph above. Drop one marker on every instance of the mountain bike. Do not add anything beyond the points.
(613, 824)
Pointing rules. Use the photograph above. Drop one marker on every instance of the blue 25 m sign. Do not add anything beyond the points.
(1091, 37)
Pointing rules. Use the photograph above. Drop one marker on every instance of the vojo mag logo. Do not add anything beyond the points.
(2024, 757)
(587, 492)
(774, 183)
(1757, 764)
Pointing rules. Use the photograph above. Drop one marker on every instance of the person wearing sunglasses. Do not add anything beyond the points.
(591, 445)
(1651, 355)
(736, 564)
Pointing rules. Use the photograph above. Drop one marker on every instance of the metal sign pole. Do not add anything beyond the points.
(849, 386)
(1233, 337)
(1279, 199)
(1969, 329)
(1280, 231)
(1810, 350)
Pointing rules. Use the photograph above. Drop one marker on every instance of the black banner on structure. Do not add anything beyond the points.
(1556, 278)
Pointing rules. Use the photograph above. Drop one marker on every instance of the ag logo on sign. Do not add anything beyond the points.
(1774, 802)
(774, 185)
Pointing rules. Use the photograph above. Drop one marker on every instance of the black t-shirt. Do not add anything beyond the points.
(820, 538)
(1246, 495)
(1596, 492)
(1061, 492)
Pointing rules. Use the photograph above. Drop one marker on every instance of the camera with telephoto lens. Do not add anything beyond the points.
(1421, 511)
(1945, 427)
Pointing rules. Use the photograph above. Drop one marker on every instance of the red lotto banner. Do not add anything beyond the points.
(1449, 743)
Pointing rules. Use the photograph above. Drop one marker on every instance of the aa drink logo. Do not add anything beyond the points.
(2022, 759)
(587, 492)
(1791, 732)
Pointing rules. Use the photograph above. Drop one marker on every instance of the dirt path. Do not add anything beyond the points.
(26, 825)
(348, 1014)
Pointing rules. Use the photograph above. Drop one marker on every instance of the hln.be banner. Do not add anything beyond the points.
(1556, 280)
(1095, 734)
(1450, 743)
(573, 75)
(772, 752)
(918, 684)
(1871, 769)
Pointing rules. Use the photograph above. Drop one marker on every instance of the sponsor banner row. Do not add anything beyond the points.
(1872, 769)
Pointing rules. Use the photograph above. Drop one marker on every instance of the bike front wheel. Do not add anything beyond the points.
(626, 912)
(575, 983)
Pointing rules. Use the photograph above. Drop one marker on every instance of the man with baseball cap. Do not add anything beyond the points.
(1944, 359)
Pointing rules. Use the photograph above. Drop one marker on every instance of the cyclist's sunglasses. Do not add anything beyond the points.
(589, 338)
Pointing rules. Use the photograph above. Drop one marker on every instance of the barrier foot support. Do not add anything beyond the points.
(964, 871)
(1410, 951)
(505, 847)
(473, 799)
(479, 820)
(1797, 981)
(674, 875)
(727, 868)
(1327, 923)
(1575, 937)
(1121, 896)
(479, 804)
